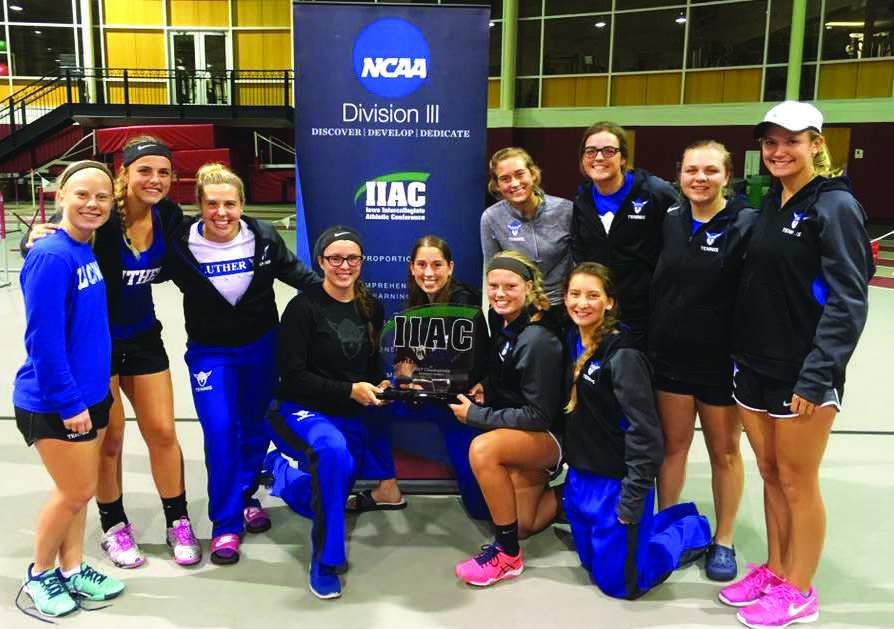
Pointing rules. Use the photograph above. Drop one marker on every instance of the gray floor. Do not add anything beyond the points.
(401, 563)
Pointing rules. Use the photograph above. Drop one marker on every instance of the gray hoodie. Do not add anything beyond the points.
(545, 238)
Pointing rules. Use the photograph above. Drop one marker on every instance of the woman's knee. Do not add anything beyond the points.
(769, 470)
(160, 434)
(483, 452)
(112, 443)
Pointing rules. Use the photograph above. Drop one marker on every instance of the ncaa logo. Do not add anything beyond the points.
(390, 58)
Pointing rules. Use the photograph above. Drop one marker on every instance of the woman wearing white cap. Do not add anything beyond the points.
(801, 308)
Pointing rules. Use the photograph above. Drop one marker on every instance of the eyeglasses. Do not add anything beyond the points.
(352, 260)
(607, 151)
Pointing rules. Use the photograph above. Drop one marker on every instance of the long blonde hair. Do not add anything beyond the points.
(608, 325)
(822, 161)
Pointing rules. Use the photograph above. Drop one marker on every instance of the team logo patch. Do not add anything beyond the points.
(504, 351)
(514, 227)
(710, 238)
(639, 204)
(391, 58)
(591, 370)
(202, 380)
(299, 415)
(796, 218)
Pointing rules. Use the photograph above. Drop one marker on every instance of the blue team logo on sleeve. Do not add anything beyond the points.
(228, 267)
(391, 58)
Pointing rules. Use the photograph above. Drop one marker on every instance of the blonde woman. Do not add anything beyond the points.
(526, 219)
(801, 307)
(61, 393)
(225, 265)
(516, 406)
(130, 249)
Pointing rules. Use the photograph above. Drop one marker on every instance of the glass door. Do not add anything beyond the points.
(200, 68)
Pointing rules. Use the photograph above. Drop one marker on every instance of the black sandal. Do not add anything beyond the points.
(364, 501)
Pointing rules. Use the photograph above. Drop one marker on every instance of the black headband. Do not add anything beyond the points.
(141, 149)
(87, 163)
(510, 264)
(336, 232)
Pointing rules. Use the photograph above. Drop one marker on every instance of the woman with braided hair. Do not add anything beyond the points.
(516, 405)
(131, 246)
(614, 449)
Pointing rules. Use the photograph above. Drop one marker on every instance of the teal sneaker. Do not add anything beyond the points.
(90, 584)
(48, 594)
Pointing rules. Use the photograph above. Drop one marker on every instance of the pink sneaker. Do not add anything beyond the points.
(782, 606)
(489, 566)
(119, 543)
(183, 544)
(749, 588)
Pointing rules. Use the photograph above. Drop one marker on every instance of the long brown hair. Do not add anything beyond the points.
(415, 295)
(608, 325)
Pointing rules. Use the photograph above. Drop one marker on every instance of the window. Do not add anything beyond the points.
(727, 35)
(648, 40)
(576, 45)
(36, 51)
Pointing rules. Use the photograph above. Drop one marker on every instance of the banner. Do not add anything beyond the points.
(390, 121)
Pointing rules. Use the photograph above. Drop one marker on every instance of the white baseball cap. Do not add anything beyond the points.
(793, 116)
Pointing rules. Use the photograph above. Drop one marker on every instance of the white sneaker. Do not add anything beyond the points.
(118, 542)
(183, 544)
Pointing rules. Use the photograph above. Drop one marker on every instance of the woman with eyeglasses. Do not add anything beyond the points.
(329, 378)
(526, 219)
(225, 264)
(617, 217)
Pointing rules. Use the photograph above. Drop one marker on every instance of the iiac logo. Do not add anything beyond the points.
(710, 238)
(391, 58)
(796, 218)
(638, 205)
(394, 190)
(514, 228)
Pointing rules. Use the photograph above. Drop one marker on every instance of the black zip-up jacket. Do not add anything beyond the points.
(694, 291)
(524, 386)
(803, 297)
(613, 431)
(210, 319)
(631, 247)
(107, 242)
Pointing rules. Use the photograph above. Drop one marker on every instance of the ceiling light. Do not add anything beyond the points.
(600, 24)
(680, 20)
(844, 24)
(15, 7)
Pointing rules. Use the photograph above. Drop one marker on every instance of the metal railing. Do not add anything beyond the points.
(129, 87)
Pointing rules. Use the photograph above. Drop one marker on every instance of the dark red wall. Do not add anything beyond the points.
(658, 149)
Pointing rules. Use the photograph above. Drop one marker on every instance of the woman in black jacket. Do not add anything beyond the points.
(516, 406)
(430, 282)
(801, 307)
(690, 329)
(616, 220)
(614, 448)
(225, 265)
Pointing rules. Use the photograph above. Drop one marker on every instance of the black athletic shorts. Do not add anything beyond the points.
(714, 395)
(36, 425)
(763, 394)
(141, 354)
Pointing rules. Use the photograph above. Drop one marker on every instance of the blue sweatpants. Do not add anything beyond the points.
(329, 451)
(379, 463)
(232, 389)
(625, 561)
